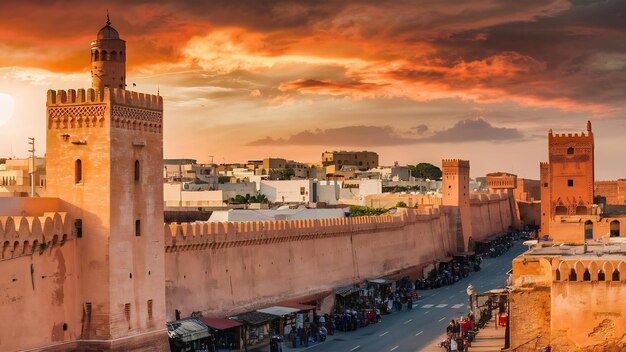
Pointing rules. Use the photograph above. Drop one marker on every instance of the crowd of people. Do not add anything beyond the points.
(457, 335)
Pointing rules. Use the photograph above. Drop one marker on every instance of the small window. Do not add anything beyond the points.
(570, 150)
(601, 276)
(558, 275)
(78, 171)
(302, 190)
(127, 311)
(615, 276)
(78, 228)
(88, 311)
(137, 227)
(570, 183)
(586, 275)
(545, 184)
(137, 171)
(149, 309)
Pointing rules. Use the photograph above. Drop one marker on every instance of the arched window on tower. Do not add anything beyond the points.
(570, 150)
(78, 171)
(614, 228)
(137, 171)
(560, 210)
(105, 56)
(113, 56)
(96, 55)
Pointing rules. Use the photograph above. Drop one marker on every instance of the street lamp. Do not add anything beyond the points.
(470, 292)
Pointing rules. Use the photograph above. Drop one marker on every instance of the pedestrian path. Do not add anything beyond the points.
(489, 339)
(443, 305)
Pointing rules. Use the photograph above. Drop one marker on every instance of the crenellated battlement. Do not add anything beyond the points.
(455, 163)
(136, 99)
(544, 165)
(23, 235)
(116, 96)
(570, 137)
(191, 236)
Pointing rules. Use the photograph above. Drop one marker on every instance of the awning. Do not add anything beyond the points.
(299, 306)
(219, 323)
(187, 330)
(344, 291)
(255, 318)
(278, 311)
(381, 281)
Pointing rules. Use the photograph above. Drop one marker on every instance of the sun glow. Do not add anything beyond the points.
(7, 105)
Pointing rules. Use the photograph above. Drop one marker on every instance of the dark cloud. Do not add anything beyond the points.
(420, 130)
(475, 130)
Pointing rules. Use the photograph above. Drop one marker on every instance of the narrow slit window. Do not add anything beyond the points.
(78, 171)
(137, 227)
(137, 171)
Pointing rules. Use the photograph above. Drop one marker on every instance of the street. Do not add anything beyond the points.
(422, 328)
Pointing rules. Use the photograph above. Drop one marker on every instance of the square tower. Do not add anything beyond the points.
(571, 173)
(455, 192)
(104, 161)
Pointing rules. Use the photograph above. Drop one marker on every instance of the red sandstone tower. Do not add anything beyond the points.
(571, 168)
(455, 192)
(567, 185)
(104, 152)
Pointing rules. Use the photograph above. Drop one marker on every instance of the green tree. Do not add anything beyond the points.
(259, 198)
(425, 170)
(284, 174)
(401, 205)
(358, 210)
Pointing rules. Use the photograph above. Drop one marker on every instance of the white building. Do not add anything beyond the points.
(289, 191)
(238, 215)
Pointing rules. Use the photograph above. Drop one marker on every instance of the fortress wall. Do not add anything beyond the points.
(492, 214)
(228, 268)
(38, 290)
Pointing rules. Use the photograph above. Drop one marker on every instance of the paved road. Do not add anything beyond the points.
(421, 329)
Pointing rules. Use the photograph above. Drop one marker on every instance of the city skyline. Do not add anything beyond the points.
(413, 82)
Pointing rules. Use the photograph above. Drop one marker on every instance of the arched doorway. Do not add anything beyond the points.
(588, 230)
(614, 228)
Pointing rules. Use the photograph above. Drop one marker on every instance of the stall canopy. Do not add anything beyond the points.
(219, 323)
(299, 306)
(381, 281)
(278, 311)
(255, 318)
(187, 330)
(344, 291)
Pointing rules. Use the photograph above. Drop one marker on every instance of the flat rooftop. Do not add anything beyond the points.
(616, 248)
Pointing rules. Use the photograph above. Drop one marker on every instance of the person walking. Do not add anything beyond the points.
(450, 329)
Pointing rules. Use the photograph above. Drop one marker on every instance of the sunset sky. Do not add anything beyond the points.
(413, 80)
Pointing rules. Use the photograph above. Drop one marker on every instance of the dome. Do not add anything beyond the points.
(108, 32)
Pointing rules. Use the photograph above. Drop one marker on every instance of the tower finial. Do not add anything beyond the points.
(588, 126)
(108, 19)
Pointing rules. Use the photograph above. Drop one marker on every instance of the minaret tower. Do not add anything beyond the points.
(108, 59)
(104, 159)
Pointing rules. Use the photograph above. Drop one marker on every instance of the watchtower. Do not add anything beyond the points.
(571, 173)
(104, 161)
(455, 192)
